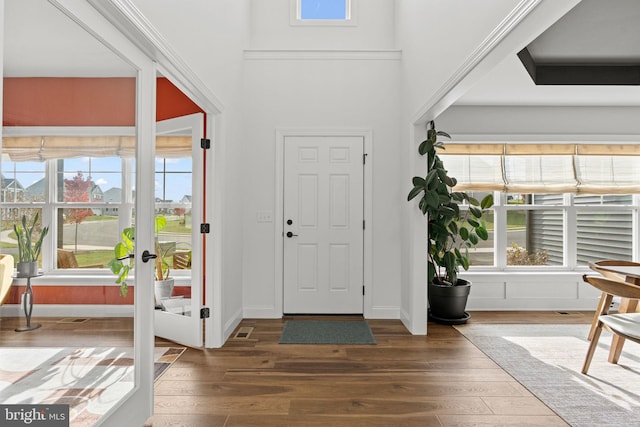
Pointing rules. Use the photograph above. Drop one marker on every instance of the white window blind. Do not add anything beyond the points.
(41, 148)
(545, 168)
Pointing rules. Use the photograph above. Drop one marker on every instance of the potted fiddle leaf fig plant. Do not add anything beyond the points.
(29, 246)
(452, 230)
(122, 264)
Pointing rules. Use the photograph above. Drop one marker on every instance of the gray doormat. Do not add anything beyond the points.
(326, 332)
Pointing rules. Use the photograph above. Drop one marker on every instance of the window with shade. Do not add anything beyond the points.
(557, 205)
(83, 188)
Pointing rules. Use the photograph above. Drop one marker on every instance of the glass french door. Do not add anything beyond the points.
(179, 243)
(56, 50)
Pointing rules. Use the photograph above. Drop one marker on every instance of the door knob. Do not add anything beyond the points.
(146, 256)
(290, 234)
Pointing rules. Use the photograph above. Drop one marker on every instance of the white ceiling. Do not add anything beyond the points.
(595, 31)
(40, 41)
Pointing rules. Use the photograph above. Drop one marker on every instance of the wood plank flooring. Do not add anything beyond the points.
(438, 380)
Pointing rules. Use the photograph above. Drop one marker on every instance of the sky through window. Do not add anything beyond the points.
(323, 9)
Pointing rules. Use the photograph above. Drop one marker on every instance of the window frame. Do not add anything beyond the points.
(51, 205)
(570, 239)
(295, 16)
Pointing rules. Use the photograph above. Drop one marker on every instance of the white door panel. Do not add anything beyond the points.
(323, 224)
(181, 323)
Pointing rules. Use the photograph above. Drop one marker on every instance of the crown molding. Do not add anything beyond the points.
(323, 54)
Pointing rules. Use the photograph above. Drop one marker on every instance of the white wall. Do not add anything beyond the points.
(270, 27)
(335, 92)
(563, 122)
(210, 36)
(436, 39)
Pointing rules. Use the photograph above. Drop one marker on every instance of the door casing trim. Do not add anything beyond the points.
(367, 136)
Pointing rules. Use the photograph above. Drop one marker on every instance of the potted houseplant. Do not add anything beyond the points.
(29, 246)
(451, 232)
(123, 252)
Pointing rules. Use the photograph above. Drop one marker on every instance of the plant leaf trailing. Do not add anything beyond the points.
(451, 230)
(123, 251)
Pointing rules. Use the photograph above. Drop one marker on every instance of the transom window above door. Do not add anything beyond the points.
(323, 12)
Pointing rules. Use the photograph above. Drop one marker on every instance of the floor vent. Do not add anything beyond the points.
(243, 333)
(73, 320)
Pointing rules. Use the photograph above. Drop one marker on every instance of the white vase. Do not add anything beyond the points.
(163, 289)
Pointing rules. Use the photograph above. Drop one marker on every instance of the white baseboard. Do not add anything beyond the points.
(69, 310)
(231, 325)
(261, 313)
(383, 313)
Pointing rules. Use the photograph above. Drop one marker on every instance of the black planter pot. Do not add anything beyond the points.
(447, 304)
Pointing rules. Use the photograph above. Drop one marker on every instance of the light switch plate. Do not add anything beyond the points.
(264, 216)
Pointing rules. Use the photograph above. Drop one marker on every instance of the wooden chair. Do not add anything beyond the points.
(67, 259)
(602, 307)
(624, 325)
(182, 260)
(6, 275)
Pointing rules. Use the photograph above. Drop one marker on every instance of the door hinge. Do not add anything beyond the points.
(204, 313)
(363, 224)
(364, 158)
(362, 289)
(204, 228)
(205, 143)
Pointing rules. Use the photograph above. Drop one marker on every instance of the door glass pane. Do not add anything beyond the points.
(174, 238)
(64, 94)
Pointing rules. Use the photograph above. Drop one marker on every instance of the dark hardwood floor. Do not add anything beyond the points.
(438, 380)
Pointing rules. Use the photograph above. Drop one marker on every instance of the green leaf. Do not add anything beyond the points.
(473, 239)
(414, 192)
(464, 262)
(431, 272)
(431, 135)
(457, 196)
(432, 199)
(473, 201)
(160, 224)
(430, 177)
(487, 202)
(473, 222)
(453, 227)
(475, 211)
(464, 233)
(441, 133)
(482, 233)
(423, 205)
(425, 146)
(418, 181)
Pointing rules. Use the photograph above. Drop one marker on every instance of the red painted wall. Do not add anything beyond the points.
(48, 101)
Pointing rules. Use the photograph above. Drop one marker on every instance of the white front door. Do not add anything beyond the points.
(179, 176)
(323, 224)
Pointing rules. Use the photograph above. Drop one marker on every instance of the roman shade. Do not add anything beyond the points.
(41, 148)
(544, 168)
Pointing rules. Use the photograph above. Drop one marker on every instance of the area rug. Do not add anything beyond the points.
(547, 360)
(89, 380)
(326, 332)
